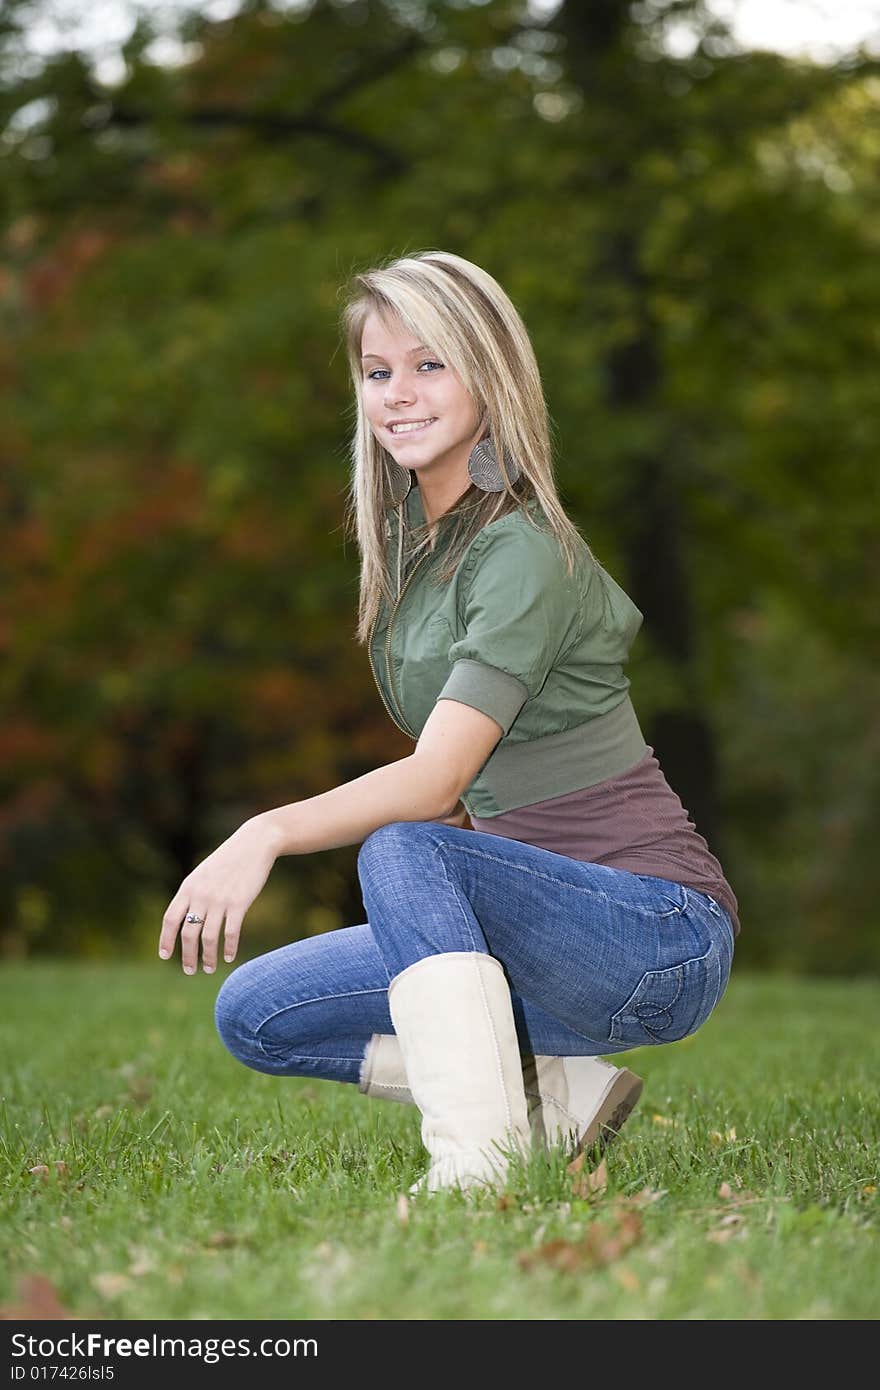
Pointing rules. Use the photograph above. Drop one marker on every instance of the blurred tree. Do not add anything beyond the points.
(691, 242)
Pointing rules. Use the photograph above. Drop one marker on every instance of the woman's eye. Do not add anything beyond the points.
(428, 362)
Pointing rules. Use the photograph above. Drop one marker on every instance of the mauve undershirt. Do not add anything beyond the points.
(633, 821)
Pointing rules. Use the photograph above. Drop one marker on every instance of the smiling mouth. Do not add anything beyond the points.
(400, 431)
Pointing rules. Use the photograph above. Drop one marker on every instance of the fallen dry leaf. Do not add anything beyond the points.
(601, 1245)
(140, 1089)
(220, 1240)
(42, 1170)
(646, 1196)
(38, 1302)
(723, 1234)
(728, 1226)
(741, 1198)
(626, 1278)
(589, 1184)
(109, 1284)
(561, 1254)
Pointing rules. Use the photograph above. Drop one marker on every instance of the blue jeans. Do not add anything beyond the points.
(599, 960)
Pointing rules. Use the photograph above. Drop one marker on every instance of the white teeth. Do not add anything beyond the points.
(411, 425)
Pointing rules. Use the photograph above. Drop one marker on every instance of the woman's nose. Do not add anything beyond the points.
(396, 394)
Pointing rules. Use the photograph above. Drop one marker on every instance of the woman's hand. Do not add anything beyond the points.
(222, 887)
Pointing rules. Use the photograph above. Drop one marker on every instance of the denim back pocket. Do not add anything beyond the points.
(667, 1005)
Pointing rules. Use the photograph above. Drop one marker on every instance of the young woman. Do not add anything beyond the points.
(582, 914)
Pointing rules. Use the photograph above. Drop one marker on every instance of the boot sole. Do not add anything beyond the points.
(614, 1110)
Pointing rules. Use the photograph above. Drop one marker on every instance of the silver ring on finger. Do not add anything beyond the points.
(194, 917)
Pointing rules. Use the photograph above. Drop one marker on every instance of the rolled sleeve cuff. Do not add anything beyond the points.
(486, 688)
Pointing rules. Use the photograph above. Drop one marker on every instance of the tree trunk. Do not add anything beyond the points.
(651, 523)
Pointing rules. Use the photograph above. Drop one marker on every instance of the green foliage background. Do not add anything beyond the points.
(692, 242)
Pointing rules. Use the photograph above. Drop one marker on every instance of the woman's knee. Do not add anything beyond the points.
(378, 839)
(238, 1021)
(399, 837)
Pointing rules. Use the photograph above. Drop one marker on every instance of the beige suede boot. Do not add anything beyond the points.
(577, 1101)
(581, 1102)
(453, 1018)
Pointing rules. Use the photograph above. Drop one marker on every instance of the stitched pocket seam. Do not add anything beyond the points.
(614, 1032)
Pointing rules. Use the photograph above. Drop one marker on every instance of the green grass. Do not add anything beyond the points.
(195, 1188)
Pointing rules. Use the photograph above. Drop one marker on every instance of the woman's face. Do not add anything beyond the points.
(405, 381)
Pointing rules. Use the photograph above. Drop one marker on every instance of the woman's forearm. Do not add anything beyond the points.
(404, 790)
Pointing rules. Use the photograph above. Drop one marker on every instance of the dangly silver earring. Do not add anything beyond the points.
(484, 469)
(399, 482)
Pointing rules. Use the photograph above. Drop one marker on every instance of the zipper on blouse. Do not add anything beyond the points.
(403, 728)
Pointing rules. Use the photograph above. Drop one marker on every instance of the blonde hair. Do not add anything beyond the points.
(468, 319)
